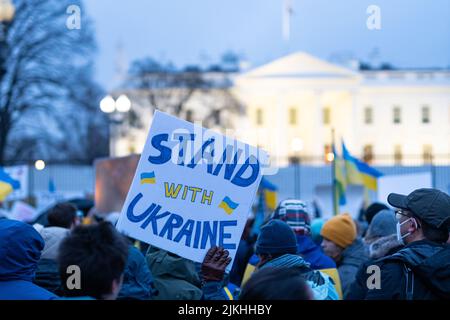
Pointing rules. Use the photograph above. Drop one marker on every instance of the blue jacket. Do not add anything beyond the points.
(137, 279)
(313, 254)
(20, 250)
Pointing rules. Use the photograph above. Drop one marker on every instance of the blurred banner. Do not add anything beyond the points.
(113, 177)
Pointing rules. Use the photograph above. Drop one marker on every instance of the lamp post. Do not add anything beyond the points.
(7, 11)
(115, 109)
(297, 147)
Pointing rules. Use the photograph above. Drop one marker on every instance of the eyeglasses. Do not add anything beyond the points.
(401, 213)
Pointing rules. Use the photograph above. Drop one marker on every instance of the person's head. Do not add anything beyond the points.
(372, 210)
(423, 214)
(275, 239)
(101, 253)
(276, 284)
(20, 250)
(316, 227)
(63, 215)
(383, 224)
(295, 214)
(338, 233)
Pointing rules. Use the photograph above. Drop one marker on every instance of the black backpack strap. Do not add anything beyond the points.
(409, 282)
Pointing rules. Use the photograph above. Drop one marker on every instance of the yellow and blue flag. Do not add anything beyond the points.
(339, 180)
(358, 172)
(269, 191)
(7, 184)
(148, 177)
(228, 205)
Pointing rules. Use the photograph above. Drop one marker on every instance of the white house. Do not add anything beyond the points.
(293, 103)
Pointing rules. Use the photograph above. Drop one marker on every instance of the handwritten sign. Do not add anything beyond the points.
(193, 189)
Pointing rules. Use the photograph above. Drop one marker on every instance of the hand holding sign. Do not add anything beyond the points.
(214, 264)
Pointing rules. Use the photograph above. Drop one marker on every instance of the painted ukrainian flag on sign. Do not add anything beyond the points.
(228, 205)
(7, 184)
(148, 177)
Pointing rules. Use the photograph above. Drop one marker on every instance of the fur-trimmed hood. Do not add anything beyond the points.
(383, 246)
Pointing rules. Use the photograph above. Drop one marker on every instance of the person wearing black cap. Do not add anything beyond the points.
(421, 270)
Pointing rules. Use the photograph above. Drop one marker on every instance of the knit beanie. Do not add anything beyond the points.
(295, 214)
(276, 237)
(340, 229)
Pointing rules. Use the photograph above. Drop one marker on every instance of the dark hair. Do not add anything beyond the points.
(276, 284)
(373, 209)
(431, 233)
(101, 254)
(62, 215)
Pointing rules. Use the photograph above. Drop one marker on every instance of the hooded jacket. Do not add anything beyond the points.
(352, 258)
(20, 250)
(137, 278)
(419, 271)
(313, 254)
(47, 272)
(175, 278)
(321, 284)
(378, 249)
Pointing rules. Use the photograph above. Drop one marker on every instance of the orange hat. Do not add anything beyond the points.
(340, 229)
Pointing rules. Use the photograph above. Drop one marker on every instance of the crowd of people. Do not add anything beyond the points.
(386, 255)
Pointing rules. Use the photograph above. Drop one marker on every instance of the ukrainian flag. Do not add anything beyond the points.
(7, 184)
(339, 179)
(148, 177)
(269, 191)
(228, 205)
(358, 172)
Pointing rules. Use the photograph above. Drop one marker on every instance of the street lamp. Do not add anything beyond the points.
(297, 147)
(7, 11)
(115, 109)
(39, 165)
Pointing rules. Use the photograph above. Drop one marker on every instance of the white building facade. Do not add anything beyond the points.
(292, 105)
(384, 116)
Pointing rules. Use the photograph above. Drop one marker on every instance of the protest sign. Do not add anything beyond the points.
(193, 189)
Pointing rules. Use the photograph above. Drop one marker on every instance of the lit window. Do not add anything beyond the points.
(368, 153)
(326, 115)
(427, 154)
(293, 116)
(259, 116)
(398, 155)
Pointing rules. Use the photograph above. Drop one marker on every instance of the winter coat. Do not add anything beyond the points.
(175, 277)
(419, 271)
(137, 278)
(351, 260)
(313, 254)
(378, 249)
(47, 272)
(321, 284)
(20, 250)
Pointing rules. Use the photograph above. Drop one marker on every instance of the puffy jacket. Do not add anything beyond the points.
(419, 271)
(175, 277)
(137, 279)
(20, 250)
(352, 259)
(47, 272)
(313, 254)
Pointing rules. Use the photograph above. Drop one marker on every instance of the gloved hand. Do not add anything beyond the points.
(214, 264)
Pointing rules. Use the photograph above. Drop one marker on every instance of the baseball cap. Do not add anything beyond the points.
(429, 205)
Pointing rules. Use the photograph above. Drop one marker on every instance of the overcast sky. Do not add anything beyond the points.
(414, 33)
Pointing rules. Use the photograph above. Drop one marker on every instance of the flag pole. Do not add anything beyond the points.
(333, 176)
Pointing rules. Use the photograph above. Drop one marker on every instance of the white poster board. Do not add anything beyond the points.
(402, 184)
(184, 197)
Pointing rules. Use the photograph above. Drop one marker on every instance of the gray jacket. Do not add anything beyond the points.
(352, 258)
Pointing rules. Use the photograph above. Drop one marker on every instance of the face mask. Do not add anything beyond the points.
(400, 237)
